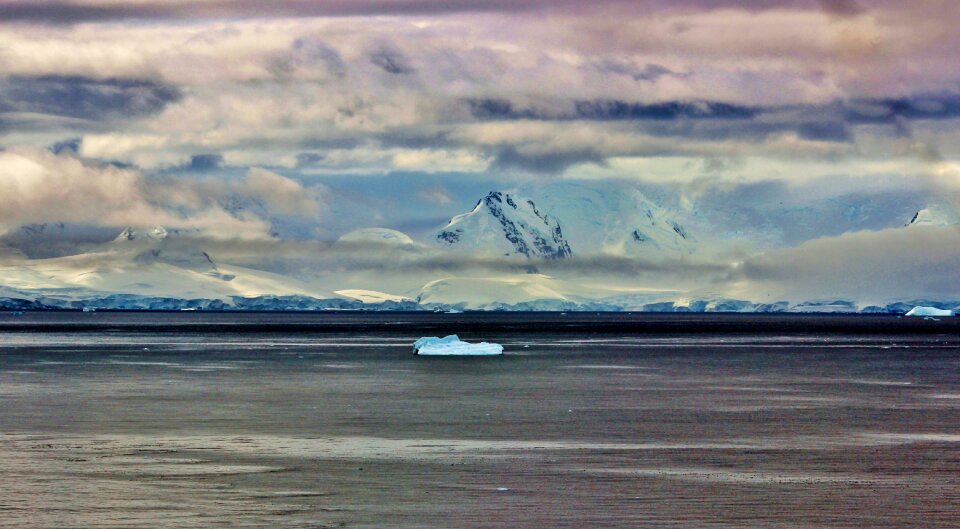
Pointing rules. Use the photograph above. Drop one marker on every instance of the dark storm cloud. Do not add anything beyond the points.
(832, 122)
(499, 109)
(936, 106)
(69, 12)
(614, 110)
(842, 7)
(623, 110)
(85, 98)
(855, 111)
(70, 146)
(510, 157)
(205, 162)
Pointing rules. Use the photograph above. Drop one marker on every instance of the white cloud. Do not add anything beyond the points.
(261, 90)
(38, 186)
(281, 194)
(871, 267)
(432, 161)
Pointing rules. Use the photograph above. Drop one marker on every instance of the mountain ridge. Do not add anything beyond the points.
(508, 224)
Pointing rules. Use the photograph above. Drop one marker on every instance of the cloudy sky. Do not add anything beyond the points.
(780, 121)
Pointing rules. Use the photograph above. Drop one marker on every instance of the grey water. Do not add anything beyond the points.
(327, 420)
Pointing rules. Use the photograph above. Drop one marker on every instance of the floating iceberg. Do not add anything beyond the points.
(452, 346)
(929, 311)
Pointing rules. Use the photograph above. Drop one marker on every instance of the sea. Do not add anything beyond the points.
(198, 420)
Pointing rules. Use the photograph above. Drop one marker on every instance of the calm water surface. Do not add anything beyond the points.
(198, 420)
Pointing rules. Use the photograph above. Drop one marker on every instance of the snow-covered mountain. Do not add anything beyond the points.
(616, 219)
(569, 224)
(569, 219)
(508, 225)
(152, 262)
(157, 244)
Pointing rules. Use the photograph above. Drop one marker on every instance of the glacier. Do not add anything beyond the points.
(452, 346)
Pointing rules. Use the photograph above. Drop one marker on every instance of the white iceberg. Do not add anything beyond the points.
(453, 346)
(929, 311)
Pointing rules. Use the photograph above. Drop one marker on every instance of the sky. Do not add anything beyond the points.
(779, 127)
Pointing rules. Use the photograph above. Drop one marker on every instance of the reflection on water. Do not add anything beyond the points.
(137, 429)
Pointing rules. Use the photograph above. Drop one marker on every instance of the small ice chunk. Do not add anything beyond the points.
(502, 489)
(453, 346)
(929, 311)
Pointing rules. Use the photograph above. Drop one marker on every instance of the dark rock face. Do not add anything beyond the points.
(679, 229)
(450, 237)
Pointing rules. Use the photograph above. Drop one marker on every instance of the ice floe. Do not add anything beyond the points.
(453, 346)
(929, 311)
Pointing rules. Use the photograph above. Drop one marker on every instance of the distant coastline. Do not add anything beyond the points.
(474, 323)
(133, 302)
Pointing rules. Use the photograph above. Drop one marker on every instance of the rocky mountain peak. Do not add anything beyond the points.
(509, 224)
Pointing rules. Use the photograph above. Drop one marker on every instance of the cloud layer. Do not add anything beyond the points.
(775, 122)
(38, 186)
(481, 85)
